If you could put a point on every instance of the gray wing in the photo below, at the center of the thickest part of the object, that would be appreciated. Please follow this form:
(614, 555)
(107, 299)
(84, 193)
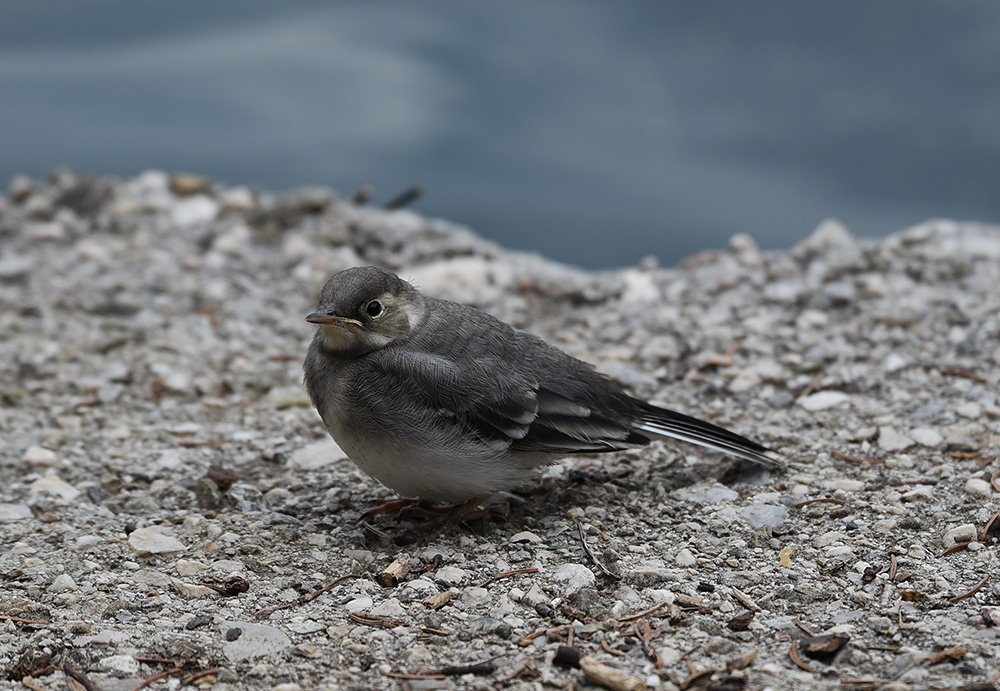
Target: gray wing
(500, 400)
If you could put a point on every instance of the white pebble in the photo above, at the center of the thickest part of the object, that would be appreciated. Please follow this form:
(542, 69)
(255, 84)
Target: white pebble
(154, 540)
(926, 436)
(62, 583)
(53, 486)
(38, 456)
(978, 486)
(824, 400)
(576, 576)
(685, 558)
(389, 608)
(476, 596)
(122, 664)
(761, 515)
(969, 410)
(525, 536)
(961, 533)
(891, 440)
(451, 575)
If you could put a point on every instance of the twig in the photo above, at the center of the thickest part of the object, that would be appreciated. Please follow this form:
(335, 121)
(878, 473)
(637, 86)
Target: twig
(157, 677)
(952, 372)
(826, 500)
(80, 678)
(958, 546)
(793, 654)
(971, 592)
(23, 621)
(374, 621)
(685, 655)
(989, 524)
(609, 649)
(805, 629)
(399, 675)
(188, 443)
(639, 615)
(892, 567)
(380, 533)
(309, 597)
(586, 548)
(811, 386)
(856, 459)
(506, 574)
(993, 480)
(24, 680)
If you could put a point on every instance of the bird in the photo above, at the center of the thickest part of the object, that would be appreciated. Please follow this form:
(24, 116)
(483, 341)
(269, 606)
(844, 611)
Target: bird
(445, 403)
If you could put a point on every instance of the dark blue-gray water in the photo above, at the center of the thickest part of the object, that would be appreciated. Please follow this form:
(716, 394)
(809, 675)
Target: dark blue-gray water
(594, 132)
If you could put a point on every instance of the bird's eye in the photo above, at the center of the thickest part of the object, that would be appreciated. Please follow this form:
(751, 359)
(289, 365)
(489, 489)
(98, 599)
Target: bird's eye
(374, 308)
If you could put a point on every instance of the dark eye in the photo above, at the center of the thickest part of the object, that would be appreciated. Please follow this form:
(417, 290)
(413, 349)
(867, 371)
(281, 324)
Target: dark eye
(373, 308)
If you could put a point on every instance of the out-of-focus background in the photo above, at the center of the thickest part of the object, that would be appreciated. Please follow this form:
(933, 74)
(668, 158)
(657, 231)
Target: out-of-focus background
(596, 133)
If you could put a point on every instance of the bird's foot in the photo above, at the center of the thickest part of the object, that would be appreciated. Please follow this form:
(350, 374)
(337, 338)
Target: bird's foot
(425, 522)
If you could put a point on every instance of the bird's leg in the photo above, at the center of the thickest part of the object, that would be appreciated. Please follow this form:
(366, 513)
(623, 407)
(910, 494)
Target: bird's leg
(412, 506)
(436, 525)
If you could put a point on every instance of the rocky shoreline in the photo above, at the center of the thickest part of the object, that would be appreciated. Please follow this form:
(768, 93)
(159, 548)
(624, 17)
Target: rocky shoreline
(170, 501)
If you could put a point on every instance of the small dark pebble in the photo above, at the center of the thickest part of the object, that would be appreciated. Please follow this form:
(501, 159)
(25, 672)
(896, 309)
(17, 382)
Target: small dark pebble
(706, 587)
(198, 621)
(234, 634)
(487, 625)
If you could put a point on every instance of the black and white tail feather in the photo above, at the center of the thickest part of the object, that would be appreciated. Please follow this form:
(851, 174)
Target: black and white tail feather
(661, 423)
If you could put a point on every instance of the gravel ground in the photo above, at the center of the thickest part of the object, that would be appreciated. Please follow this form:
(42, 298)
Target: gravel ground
(171, 505)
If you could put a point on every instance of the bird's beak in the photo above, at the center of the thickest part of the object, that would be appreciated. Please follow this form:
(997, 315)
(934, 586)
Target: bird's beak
(323, 318)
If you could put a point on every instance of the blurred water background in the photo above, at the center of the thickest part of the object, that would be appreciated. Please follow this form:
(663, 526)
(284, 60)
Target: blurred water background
(596, 133)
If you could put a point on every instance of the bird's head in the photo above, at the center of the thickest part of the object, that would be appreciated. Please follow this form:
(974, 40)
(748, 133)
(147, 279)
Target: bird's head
(365, 308)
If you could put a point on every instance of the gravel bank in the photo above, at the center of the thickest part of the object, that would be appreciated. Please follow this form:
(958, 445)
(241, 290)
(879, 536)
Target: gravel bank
(169, 499)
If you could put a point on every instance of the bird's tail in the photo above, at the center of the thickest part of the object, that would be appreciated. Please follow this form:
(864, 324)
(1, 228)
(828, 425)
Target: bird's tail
(660, 422)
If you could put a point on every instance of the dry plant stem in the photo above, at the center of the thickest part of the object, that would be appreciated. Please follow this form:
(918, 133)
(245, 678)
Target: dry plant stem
(793, 654)
(989, 525)
(26, 681)
(610, 650)
(414, 677)
(826, 500)
(805, 629)
(972, 592)
(643, 613)
(892, 569)
(856, 459)
(506, 574)
(79, 677)
(23, 621)
(949, 371)
(811, 386)
(309, 597)
(993, 480)
(593, 558)
(157, 677)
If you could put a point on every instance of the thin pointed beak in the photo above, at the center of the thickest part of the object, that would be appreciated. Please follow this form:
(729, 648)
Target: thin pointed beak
(323, 318)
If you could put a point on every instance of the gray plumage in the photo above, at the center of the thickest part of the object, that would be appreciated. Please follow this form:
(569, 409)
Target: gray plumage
(443, 402)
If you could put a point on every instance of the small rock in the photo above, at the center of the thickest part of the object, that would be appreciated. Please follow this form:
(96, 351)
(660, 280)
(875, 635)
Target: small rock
(194, 210)
(389, 608)
(14, 512)
(256, 640)
(316, 455)
(977, 486)
(155, 539)
(486, 625)
(969, 410)
(824, 400)
(38, 456)
(685, 558)
(891, 440)
(575, 576)
(962, 533)
(926, 437)
(53, 486)
(62, 583)
(760, 515)
(476, 596)
(125, 665)
(450, 575)
(525, 536)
